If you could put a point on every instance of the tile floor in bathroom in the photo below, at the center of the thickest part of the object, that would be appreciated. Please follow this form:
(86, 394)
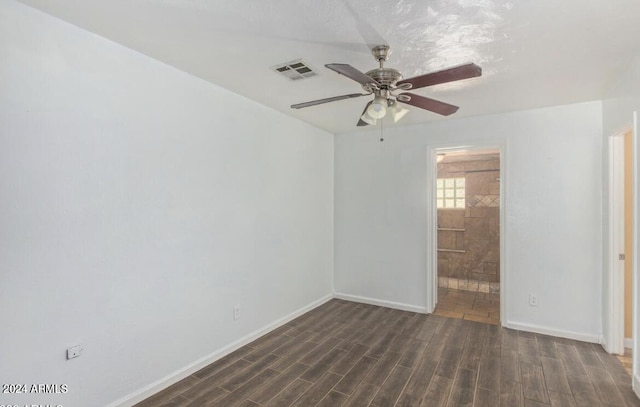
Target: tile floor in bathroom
(469, 305)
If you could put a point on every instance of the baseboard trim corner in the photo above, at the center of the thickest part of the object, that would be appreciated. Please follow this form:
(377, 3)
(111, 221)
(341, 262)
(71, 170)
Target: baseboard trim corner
(578, 336)
(180, 374)
(381, 303)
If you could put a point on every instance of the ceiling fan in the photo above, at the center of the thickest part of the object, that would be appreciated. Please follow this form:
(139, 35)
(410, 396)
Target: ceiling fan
(388, 88)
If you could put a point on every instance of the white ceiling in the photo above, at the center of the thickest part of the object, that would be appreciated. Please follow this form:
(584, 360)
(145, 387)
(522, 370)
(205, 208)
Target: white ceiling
(533, 52)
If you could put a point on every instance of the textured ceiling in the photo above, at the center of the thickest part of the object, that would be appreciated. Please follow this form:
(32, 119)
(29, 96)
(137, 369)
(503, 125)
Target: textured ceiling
(533, 53)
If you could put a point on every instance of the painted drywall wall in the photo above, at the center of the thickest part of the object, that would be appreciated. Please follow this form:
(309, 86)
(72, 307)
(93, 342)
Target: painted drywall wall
(621, 101)
(552, 203)
(139, 205)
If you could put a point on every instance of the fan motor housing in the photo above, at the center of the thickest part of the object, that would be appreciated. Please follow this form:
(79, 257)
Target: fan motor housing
(387, 77)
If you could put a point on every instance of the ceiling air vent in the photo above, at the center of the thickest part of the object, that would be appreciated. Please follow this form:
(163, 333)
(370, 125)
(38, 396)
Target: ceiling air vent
(295, 70)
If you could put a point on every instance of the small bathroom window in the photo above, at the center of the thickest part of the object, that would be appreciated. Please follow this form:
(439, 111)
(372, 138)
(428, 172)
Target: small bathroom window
(450, 193)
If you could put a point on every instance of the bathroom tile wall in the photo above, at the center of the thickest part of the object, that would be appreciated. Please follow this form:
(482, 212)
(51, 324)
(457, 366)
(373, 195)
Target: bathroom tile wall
(471, 253)
(469, 285)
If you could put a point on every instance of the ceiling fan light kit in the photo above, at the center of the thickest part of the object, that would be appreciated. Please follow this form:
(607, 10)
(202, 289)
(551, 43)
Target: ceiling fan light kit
(367, 119)
(378, 108)
(396, 111)
(384, 83)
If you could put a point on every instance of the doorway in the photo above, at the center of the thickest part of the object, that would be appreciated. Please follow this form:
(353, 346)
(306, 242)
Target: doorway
(621, 204)
(628, 250)
(621, 253)
(468, 205)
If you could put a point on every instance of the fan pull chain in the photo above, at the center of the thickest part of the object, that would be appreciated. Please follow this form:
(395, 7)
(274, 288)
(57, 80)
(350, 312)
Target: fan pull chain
(381, 124)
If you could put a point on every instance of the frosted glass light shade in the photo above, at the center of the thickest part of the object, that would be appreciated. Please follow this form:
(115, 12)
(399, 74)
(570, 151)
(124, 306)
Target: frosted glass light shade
(396, 111)
(368, 119)
(378, 108)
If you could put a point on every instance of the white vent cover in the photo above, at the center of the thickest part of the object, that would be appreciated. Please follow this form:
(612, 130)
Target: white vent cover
(295, 70)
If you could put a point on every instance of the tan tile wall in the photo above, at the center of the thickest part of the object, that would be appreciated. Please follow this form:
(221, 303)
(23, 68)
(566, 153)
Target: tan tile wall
(469, 285)
(480, 220)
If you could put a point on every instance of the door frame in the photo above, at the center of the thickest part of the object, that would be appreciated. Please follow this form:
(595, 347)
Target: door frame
(432, 219)
(635, 362)
(614, 343)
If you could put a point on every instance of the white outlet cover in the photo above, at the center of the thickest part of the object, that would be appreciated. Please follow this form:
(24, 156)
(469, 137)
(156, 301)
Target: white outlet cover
(74, 352)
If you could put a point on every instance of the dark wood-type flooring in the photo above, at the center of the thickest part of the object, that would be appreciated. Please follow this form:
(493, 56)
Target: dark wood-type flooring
(348, 354)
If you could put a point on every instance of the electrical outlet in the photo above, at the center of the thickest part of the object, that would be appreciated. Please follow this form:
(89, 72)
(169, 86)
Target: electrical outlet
(533, 300)
(73, 352)
(236, 313)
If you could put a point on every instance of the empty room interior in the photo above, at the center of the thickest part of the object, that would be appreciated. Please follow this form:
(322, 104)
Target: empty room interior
(336, 203)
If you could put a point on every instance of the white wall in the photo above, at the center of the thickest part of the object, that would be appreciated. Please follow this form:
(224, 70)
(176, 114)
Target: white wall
(138, 205)
(553, 171)
(622, 98)
(621, 101)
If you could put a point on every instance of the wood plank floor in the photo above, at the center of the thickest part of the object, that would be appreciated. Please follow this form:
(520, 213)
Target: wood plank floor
(349, 354)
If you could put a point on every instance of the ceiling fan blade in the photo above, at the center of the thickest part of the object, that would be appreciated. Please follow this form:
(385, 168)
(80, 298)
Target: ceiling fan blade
(446, 75)
(362, 123)
(352, 73)
(432, 105)
(327, 100)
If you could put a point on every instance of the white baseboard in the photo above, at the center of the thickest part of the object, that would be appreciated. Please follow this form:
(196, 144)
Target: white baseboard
(178, 375)
(553, 332)
(381, 303)
(628, 343)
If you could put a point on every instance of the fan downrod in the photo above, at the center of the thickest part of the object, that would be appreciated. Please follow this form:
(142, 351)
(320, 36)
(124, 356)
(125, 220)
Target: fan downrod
(381, 53)
(386, 77)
